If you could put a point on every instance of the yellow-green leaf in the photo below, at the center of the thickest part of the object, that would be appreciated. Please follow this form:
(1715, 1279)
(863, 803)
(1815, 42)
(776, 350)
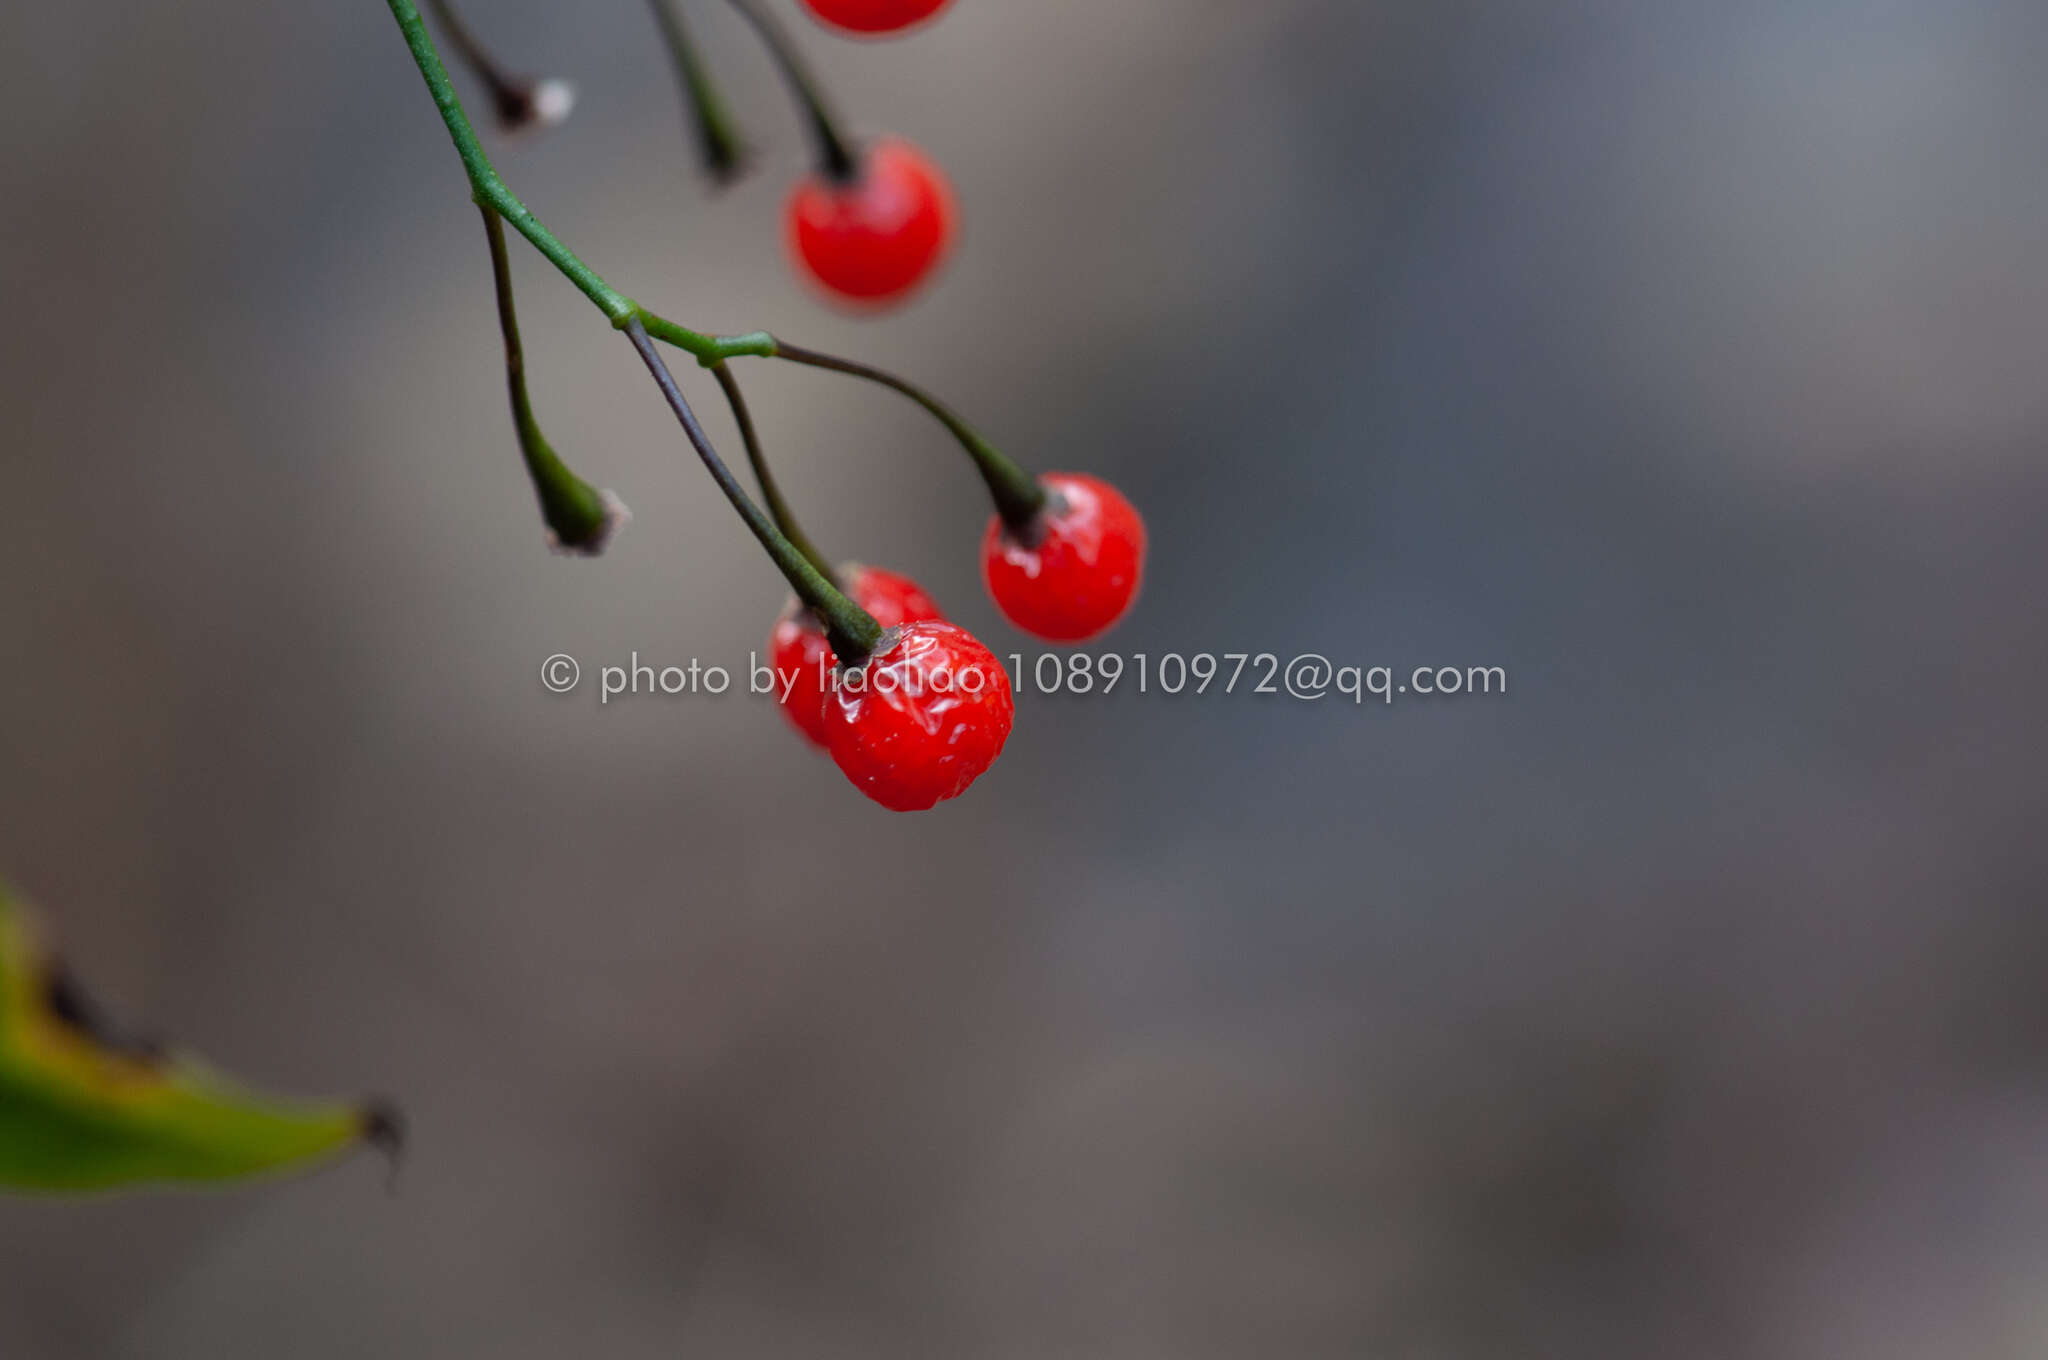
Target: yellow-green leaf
(82, 1107)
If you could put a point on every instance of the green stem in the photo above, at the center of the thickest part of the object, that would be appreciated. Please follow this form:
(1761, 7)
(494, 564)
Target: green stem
(484, 182)
(576, 513)
(771, 492)
(837, 159)
(1018, 496)
(709, 350)
(851, 630)
(718, 135)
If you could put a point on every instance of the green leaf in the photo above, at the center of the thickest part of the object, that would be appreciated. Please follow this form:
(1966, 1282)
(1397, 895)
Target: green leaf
(84, 1107)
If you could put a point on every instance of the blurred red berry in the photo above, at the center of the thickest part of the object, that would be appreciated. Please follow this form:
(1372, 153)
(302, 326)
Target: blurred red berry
(874, 16)
(922, 718)
(801, 655)
(874, 239)
(1080, 572)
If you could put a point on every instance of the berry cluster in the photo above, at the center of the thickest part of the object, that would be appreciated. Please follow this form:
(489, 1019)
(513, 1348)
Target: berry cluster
(912, 708)
(934, 708)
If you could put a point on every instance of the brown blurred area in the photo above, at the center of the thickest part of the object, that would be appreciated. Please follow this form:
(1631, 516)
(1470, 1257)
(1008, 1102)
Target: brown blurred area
(1685, 360)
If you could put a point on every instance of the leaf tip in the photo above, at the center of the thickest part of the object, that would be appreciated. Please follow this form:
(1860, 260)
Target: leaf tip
(384, 1130)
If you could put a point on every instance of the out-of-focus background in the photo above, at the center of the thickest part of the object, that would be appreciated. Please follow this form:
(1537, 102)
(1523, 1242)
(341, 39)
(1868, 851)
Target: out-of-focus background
(1686, 360)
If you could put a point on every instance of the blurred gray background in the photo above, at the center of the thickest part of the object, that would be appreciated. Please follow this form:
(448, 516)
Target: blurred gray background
(1684, 359)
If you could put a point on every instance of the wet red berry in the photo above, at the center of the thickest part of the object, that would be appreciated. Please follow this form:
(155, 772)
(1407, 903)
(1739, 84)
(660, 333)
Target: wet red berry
(922, 719)
(874, 16)
(802, 658)
(1080, 573)
(873, 240)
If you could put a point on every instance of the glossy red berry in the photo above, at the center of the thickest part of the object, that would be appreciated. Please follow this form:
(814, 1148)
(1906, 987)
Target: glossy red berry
(1082, 569)
(802, 658)
(874, 239)
(874, 16)
(922, 719)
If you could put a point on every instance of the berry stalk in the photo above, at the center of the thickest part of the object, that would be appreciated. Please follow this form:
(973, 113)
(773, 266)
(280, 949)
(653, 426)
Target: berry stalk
(719, 142)
(838, 162)
(504, 89)
(1018, 496)
(852, 631)
(771, 491)
(580, 517)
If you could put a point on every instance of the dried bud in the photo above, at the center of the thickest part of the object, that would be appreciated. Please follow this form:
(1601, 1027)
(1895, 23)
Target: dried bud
(534, 105)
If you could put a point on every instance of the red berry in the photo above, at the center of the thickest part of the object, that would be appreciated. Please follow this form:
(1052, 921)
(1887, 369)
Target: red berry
(874, 16)
(922, 718)
(874, 239)
(1081, 572)
(801, 655)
